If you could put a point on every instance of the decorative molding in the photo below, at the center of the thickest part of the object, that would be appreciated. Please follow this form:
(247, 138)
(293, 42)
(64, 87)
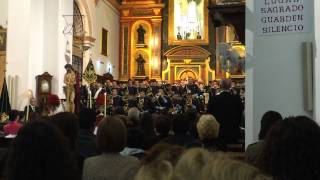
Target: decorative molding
(187, 52)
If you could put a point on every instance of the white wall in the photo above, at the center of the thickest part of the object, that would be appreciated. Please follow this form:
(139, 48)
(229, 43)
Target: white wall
(104, 15)
(3, 11)
(36, 44)
(273, 74)
(317, 60)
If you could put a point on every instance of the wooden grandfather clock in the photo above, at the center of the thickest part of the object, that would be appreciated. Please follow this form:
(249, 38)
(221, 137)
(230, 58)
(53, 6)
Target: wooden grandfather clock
(43, 87)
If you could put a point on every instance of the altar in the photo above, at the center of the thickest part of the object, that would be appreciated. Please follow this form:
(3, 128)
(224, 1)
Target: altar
(187, 62)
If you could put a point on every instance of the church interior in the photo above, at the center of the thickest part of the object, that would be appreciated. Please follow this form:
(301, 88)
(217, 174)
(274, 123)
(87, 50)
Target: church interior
(164, 89)
(199, 39)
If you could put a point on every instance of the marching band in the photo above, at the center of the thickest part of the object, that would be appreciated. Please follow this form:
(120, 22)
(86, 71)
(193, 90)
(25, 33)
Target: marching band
(153, 96)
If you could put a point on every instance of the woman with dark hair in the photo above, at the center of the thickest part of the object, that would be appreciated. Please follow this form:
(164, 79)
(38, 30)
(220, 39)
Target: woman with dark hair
(40, 152)
(291, 150)
(68, 124)
(111, 139)
(267, 121)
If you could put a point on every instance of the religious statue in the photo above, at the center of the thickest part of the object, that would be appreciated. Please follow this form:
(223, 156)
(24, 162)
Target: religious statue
(69, 81)
(141, 31)
(140, 61)
(198, 35)
(179, 37)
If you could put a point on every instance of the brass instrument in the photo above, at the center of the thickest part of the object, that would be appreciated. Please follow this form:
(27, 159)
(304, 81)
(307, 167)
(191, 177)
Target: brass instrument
(140, 103)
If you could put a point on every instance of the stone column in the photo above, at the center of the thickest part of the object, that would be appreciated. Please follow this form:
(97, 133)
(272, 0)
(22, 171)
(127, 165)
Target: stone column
(156, 49)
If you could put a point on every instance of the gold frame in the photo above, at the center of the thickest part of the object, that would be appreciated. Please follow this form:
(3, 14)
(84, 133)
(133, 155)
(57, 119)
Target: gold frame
(104, 45)
(171, 36)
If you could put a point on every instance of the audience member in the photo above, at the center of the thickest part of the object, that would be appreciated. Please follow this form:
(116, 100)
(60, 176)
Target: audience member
(86, 140)
(291, 150)
(160, 152)
(147, 125)
(190, 164)
(39, 152)
(13, 126)
(162, 126)
(180, 127)
(68, 124)
(135, 143)
(223, 168)
(267, 121)
(159, 170)
(111, 139)
(208, 131)
(134, 115)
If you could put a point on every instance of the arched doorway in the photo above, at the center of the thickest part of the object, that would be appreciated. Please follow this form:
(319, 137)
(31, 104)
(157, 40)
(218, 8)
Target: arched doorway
(186, 74)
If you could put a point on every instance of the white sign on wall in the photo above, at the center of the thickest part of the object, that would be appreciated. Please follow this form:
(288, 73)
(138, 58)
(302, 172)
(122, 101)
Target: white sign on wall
(283, 16)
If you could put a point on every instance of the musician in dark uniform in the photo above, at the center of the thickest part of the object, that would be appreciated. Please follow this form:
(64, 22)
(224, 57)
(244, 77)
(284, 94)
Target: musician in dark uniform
(132, 90)
(191, 87)
(117, 101)
(164, 100)
(154, 87)
(146, 103)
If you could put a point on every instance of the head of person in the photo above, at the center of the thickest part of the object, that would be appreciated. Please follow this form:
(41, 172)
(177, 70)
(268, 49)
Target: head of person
(87, 118)
(180, 124)
(40, 152)
(142, 94)
(13, 115)
(191, 163)
(162, 151)
(130, 82)
(68, 124)
(225, 84)
(33, 102)
(114, 92)
(162, 124)
(146, 124)
(159, 170)
(223, 168)
(134, 115)
(114, 83)
(208, 127)
(215, 84)
(68, 67)
(291, 150)
(111, 135)
(267, 121)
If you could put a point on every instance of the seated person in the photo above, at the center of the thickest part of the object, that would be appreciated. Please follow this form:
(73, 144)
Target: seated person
(13, 126)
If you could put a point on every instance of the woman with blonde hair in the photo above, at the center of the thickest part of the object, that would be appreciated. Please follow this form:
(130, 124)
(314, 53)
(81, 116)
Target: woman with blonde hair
(190, 164)
(158, 170)
(223, 168)
(208, 132)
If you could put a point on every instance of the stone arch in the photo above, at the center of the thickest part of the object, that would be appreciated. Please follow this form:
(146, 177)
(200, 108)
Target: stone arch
(87, 20)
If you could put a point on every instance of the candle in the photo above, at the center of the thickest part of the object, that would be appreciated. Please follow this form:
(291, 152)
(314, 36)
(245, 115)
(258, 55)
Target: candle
(27, 115)
(105, 104)
(28, 105)
(90, 100)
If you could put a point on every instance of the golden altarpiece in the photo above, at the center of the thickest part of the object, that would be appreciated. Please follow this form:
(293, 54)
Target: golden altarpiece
(179, 40)
(140, 37)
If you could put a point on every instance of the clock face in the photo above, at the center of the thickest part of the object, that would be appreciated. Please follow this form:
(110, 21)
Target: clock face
(44, 86)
